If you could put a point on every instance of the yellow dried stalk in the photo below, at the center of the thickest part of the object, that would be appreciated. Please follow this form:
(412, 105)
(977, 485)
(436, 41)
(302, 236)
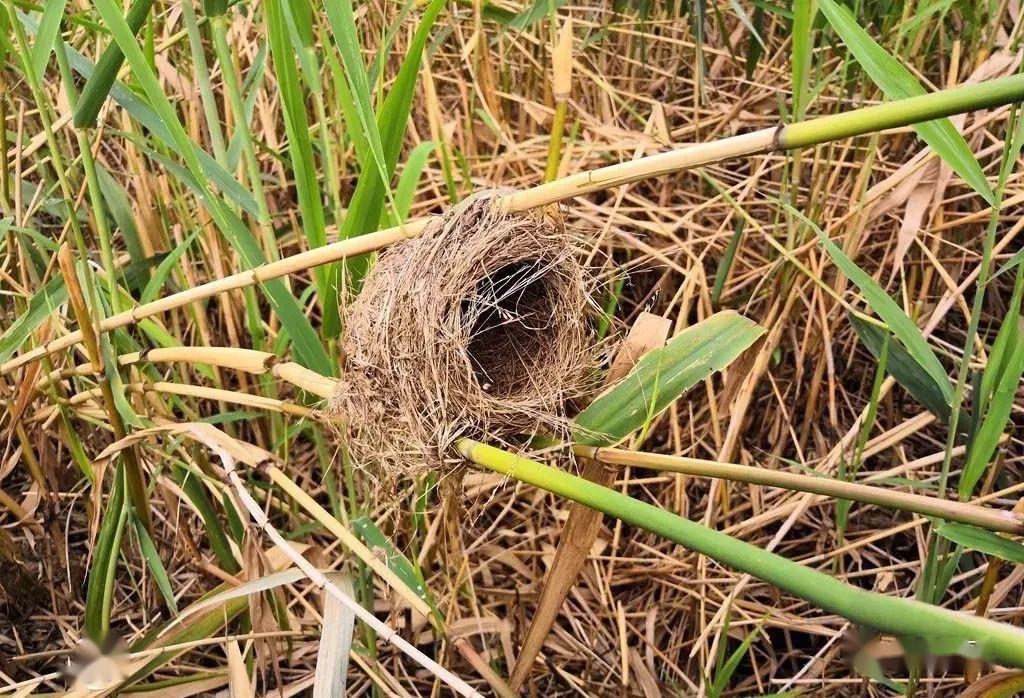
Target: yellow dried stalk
(247, 360)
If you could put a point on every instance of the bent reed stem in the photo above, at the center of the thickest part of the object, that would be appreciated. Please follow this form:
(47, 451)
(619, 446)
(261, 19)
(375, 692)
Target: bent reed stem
(799, 135)
(940, 630)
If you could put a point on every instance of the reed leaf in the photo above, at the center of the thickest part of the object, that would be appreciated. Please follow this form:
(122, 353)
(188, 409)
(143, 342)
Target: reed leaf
(408, 181)
(99, 592)
(1000, 404)
(903, 367)
(898, 83)
(341, 18)
(887, 309)
(220, 597)
(41, 306)
(367, 201)
(662, 375)
(98, 85)
(49, 29)
(396, 561)
(196, 494)
(336, 635)
(238, 673)
(983, 541)
(116, 199)
(156, 567)
(165, 267)
(300, 152)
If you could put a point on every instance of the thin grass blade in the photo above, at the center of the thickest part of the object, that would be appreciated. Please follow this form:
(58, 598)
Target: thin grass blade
(99, 592)
(156, 567)
(43, 304)
(97, 87)
(49, 28)
(887, 309)
(983, 541)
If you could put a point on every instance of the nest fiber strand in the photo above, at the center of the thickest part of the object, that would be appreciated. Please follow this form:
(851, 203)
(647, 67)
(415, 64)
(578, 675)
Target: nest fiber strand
(478, 327)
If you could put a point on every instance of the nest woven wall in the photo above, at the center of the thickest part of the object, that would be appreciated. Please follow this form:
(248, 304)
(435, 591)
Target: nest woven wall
(478, 327)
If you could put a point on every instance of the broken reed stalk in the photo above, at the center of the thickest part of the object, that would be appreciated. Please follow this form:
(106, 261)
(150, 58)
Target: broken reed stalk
(234, 358)
(583, 524)
(949, 510)
(799, 135)
(941, 631)
(130, 460)
(202, 392)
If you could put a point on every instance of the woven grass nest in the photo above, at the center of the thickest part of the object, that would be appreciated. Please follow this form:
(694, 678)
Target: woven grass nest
(478, 327)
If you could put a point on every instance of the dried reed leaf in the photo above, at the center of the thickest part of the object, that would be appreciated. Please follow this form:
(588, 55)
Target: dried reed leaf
(238, 675)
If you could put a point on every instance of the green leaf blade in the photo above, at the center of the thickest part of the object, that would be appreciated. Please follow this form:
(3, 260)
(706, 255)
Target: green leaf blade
(366, 206)
(887, 309)
(983, 541)
(904, 368)
(662, 375)
(40, 307)
(898, 83)
(49, 27)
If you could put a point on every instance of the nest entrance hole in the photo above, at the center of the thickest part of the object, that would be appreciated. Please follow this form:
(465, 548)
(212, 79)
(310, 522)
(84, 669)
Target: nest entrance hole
(509, 316)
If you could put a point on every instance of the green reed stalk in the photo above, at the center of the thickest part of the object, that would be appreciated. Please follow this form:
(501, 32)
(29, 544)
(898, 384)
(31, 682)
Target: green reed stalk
(903, 112)
(938, 630)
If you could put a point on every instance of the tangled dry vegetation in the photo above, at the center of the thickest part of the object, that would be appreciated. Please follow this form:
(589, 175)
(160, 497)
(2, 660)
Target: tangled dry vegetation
(647, 617)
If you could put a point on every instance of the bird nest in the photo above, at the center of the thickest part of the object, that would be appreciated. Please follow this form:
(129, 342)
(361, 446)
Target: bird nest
(479, 327)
